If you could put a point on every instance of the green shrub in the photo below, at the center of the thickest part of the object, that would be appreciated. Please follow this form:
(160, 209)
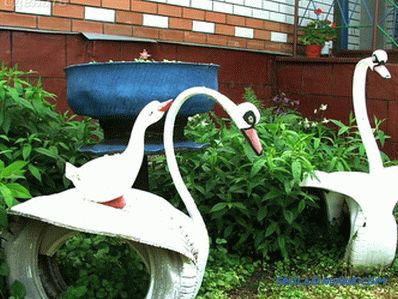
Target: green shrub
(101, 267)
(32, 131)
(35, 142)
(256, 203)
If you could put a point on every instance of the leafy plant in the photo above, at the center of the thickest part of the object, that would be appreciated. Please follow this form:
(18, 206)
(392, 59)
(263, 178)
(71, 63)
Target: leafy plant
(256, 203)
(101, 267)
(33, 132)
(317, 32)
(35, 141)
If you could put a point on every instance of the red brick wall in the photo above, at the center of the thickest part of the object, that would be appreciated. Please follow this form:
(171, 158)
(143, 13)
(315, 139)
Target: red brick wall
(69, 15)
(330, 82)
(48, 54)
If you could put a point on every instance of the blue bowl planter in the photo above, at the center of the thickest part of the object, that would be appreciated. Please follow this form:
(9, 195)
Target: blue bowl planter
(115, 92)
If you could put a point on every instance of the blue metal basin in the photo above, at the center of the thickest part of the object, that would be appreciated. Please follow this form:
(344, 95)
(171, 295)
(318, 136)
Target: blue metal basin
(119, 90)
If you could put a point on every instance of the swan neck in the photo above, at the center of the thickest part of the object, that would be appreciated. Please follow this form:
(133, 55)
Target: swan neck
(136, 142)
(361, 116)
(182, 190)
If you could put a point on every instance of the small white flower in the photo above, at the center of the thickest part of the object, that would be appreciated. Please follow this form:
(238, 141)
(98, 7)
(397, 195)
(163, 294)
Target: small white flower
(325, 120)
(323, 107)
(315, 111)
(313, 124)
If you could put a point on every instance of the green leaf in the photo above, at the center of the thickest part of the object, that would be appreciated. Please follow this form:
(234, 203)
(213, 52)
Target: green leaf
(342, 130)
(218, 207)
(18, 191)
(282, 245)
(35, 172)
(13, 94)
(46, 152)
(257, 167)
(271, 229)
(317, 142)
(296, 170)
(27, 148)
(7, 195)
(301, 206)
(14, 169)
(288, 215)
(262, 213)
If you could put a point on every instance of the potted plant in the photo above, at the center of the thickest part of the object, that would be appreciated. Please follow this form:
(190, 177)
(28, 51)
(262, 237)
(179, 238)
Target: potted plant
(114, 92)
(316, 33)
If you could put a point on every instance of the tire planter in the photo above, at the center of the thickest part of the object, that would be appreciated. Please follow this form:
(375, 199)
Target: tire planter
(31, 247)
(115, 92)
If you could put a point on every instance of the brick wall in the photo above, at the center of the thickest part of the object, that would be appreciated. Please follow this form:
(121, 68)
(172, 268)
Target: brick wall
(316, 83)
(261, 25)
(238, 69)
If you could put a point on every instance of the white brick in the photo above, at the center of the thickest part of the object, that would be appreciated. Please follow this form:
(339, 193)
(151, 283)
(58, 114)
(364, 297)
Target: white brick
(202, 4)
(155, 21)
(290, 19)
(244, 32)
(222, 7)
(235, 1)
(179, 2)
(206, 27)
(288, 9)
(243, 11)
(254, 3)
(270, 5)
(33, 7)
(99, 14)
(278, 37)
(277, 17)
(261, 14)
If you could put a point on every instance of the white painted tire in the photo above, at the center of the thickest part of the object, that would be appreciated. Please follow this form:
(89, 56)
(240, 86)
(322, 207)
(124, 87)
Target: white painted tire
(32, 244)
(373, 238)
(334, 206)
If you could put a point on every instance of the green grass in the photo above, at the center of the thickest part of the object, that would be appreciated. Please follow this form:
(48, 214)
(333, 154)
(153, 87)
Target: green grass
(319, 261)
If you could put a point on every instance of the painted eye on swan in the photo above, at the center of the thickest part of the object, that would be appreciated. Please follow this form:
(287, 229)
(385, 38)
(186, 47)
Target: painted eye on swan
(250, 117)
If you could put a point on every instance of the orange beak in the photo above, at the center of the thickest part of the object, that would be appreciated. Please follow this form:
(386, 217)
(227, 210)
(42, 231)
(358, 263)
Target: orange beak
(252, 137)
(166, 105)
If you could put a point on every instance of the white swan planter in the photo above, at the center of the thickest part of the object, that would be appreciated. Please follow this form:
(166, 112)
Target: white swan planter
(370, 197)
(173, 245)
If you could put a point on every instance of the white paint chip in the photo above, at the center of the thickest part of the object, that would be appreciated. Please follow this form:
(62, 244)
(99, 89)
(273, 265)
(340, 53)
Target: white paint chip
(206, 27)
(155, 21)
(278, 37)
(33, 7)
(99, 14)
(244, 32)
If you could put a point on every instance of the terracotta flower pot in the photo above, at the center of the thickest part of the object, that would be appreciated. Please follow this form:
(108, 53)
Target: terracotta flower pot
(313, 50)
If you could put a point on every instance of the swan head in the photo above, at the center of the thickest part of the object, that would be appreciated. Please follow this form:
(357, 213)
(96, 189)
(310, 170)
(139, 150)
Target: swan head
(377, 63)
(154, 111)
(246, 116)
